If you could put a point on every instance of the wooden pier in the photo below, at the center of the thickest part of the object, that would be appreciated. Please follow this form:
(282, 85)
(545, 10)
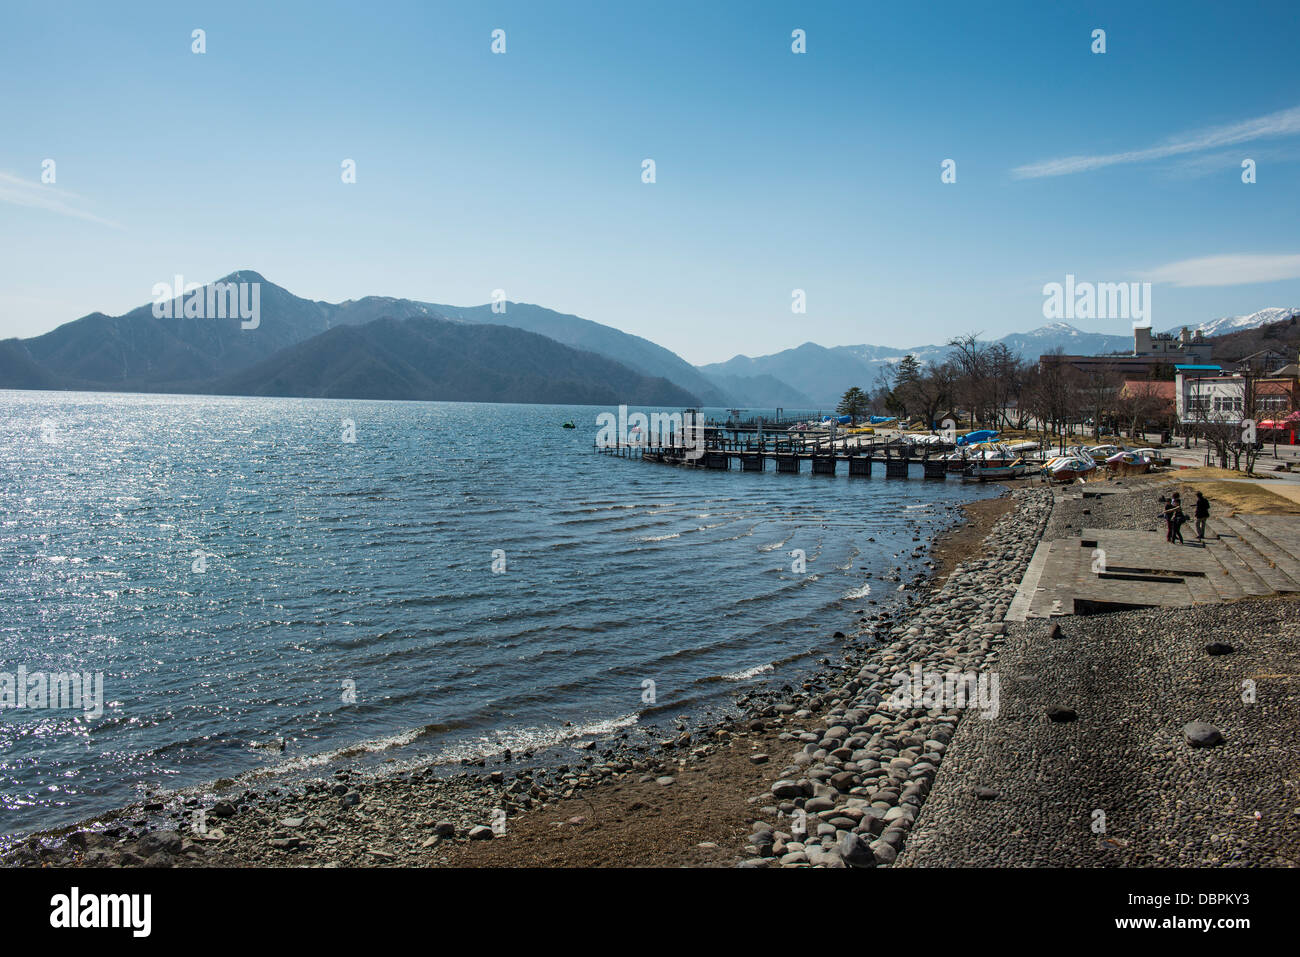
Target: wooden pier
(862, 462)
(749, 448)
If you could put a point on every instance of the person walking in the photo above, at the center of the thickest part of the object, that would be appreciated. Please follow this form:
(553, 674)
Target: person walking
(1177, 520)
(1202, 512)
(1167, 513)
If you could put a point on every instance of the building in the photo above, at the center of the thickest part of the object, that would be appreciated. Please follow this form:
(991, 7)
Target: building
(1145, 404)
(1206, 394)
(1157, 396)
(1187, 347)
(1264, 361)
(1153, 355)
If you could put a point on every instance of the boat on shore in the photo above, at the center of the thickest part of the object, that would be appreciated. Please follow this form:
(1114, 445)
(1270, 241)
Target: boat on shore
(994, 473)
(1067, 468)
(984, 455)
(1128, 463)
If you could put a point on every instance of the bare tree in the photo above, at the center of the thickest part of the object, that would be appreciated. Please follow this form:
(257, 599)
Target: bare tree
(1051, 394)
(1099, 391)
(1138, 403)
(932, 392)
(1005, 383)
(971, 357)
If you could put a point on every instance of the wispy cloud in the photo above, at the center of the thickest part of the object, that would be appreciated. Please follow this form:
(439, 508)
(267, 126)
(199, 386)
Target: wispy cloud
(1223, 161)
(1282, 123)
(1231, 270)
(21, 192)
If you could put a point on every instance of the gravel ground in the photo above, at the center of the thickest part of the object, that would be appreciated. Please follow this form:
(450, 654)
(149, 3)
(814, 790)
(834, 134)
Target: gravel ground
(1122, 784)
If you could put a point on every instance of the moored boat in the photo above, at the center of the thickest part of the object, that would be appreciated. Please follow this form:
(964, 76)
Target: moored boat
(994, 473)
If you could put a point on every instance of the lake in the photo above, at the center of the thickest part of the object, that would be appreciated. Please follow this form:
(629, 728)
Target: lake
(264, 597)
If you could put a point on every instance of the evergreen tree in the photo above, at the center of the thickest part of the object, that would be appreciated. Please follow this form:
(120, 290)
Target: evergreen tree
(854, 403)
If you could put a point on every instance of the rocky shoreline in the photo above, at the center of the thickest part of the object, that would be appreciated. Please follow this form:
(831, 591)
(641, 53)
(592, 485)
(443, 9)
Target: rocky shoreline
(871, 764)
(866, 763)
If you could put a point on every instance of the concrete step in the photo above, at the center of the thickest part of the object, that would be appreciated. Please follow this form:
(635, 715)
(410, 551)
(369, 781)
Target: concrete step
(1280, 530)
(1140, 571)
(1227, 551)
(1279, 539)
(1220, 579)
(1270, 577)
(1203, 589)
(1024, 600)
(1278, 569)
(1060, 565)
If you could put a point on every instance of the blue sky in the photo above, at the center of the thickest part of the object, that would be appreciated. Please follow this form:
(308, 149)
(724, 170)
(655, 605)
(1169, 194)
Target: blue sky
(775, 171)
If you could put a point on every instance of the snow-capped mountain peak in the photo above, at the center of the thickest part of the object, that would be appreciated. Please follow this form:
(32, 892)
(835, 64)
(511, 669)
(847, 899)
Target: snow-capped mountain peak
(1217, 327)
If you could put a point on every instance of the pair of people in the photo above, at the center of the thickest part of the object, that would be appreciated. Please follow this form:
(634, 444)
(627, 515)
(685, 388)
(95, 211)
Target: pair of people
(1175, 517)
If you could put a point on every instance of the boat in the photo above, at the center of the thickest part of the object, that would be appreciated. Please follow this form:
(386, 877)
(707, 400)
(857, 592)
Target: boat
(981, 455)
(994, 473)
(569, 425)
(1154, 456)
(1128, 463)
(1067, 468)
(976, 437)
(1101, 453)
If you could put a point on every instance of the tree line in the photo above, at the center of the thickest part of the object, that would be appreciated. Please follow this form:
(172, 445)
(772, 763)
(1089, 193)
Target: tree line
(988, 385)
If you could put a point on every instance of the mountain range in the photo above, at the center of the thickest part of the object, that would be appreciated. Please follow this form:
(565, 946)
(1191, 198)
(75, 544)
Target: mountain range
(376, 347)
(826, 372)
(383, 347)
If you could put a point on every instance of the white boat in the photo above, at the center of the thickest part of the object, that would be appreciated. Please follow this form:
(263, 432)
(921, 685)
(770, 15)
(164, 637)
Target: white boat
(1155, 456)
(994, 473)
(1101, 453)
(1067, 468)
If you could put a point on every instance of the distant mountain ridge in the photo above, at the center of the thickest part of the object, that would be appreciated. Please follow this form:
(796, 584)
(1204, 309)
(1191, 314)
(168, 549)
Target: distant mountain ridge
(1264, 317)
(140, 352)
(352, 349)
(433, 358)
(824, 374)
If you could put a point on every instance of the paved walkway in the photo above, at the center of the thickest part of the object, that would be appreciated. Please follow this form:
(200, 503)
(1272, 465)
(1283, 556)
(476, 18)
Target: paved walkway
(1104, 570)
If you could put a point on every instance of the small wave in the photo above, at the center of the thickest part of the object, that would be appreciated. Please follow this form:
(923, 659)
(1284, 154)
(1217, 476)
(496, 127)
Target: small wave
(775, 545)
(660, 538)
(532, 738)
(748, 673)
(745, 534)
(854, 594)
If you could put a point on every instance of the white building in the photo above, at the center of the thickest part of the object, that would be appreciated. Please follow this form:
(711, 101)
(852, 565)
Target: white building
(1205, 394)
